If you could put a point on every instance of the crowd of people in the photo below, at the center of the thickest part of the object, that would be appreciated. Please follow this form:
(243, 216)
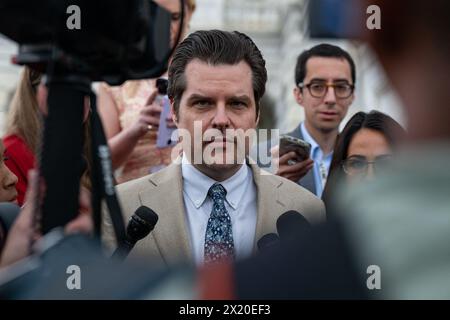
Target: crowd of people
(359, 191)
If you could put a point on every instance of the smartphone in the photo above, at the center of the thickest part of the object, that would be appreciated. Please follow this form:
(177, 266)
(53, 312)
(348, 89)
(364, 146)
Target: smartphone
(299, 146)
(164, 139)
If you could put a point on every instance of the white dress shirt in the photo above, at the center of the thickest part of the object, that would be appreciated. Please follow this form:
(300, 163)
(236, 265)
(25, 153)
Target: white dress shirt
(240, 204)
(322, 161)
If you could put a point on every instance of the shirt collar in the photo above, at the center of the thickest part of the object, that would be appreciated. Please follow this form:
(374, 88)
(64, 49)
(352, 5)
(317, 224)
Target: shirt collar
(196, 184)
(307, 137)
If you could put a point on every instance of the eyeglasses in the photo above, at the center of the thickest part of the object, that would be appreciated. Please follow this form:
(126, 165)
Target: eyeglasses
(356, 165)
(342, 90)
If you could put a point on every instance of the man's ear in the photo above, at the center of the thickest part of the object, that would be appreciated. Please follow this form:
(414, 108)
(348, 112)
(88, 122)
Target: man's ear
(298, 95)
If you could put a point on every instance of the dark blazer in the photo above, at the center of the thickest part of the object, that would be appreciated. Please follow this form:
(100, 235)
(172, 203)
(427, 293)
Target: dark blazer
(308, 182)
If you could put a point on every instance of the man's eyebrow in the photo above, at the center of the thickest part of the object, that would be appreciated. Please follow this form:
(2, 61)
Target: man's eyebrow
(196, 96)
(341, 80)
(324, 80)
(318, 80)
(243, 97)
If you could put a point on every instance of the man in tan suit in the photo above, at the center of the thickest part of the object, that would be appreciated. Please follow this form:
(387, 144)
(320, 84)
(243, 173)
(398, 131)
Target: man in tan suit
(213, 203)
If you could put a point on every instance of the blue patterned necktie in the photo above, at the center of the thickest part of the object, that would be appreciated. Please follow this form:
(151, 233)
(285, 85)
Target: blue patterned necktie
(219, 243)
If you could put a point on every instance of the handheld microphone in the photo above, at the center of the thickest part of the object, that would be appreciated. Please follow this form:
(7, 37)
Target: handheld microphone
(290, 224)
(267, 241)
(140, 225)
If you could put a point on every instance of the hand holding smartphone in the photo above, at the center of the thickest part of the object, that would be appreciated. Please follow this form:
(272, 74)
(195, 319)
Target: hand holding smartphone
(299, 146)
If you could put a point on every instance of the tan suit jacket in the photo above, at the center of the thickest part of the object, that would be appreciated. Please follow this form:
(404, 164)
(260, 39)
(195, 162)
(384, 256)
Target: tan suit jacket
(169, 243)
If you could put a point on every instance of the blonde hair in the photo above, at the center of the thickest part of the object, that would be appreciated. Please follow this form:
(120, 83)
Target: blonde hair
(25, 119)
(24, 116)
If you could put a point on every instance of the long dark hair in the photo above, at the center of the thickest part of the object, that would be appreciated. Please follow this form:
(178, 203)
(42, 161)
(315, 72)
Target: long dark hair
(375, 120)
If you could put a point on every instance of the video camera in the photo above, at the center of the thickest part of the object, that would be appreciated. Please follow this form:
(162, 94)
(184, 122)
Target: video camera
(113, 41)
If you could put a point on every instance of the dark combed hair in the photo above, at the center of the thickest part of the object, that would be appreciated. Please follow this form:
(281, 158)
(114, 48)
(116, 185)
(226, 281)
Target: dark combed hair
(216, 47)
(375, 120)
(322, 50)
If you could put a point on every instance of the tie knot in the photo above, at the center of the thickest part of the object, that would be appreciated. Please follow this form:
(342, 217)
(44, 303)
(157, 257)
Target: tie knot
(217, 192)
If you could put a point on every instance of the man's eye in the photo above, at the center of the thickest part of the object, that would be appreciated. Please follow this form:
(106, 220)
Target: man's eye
(202, 103)
(238, 104)
(318, 87)
(342, 87)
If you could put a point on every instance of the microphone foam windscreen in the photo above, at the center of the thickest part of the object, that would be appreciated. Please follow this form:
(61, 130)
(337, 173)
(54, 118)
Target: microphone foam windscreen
(148, 215)
(291, 223)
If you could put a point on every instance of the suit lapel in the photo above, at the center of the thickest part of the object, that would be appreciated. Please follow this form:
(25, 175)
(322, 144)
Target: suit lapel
(165, 197)
(269, 204)
(308, 182)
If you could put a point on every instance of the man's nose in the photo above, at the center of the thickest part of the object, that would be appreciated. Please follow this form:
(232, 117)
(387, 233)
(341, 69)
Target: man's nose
(330, 96)
(221, 119)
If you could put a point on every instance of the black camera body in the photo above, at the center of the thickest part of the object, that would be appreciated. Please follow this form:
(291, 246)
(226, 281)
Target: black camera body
(115, 40)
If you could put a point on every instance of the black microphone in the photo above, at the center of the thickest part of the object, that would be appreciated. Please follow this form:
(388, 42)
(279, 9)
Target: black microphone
(268, 241)
(140, 225)
(290, 224)
(8, 214)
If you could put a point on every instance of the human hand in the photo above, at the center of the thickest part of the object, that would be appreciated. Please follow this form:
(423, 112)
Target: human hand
(288, 165)
(148, 118)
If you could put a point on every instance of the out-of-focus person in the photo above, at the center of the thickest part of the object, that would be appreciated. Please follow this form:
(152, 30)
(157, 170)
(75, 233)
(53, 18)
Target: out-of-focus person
(130, 114)
(364, 147)
(24, 128)
(389, 237)
(400, 220)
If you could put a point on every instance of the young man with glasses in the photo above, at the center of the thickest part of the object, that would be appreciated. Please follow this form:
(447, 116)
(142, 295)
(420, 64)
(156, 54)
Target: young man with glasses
(325, 82)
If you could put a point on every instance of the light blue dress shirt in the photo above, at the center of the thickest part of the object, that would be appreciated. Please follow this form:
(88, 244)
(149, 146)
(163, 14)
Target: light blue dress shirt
(322, 162)
(241, 204)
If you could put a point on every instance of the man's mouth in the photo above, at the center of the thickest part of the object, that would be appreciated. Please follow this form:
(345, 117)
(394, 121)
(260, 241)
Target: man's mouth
(328, 114)
(221, 140)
